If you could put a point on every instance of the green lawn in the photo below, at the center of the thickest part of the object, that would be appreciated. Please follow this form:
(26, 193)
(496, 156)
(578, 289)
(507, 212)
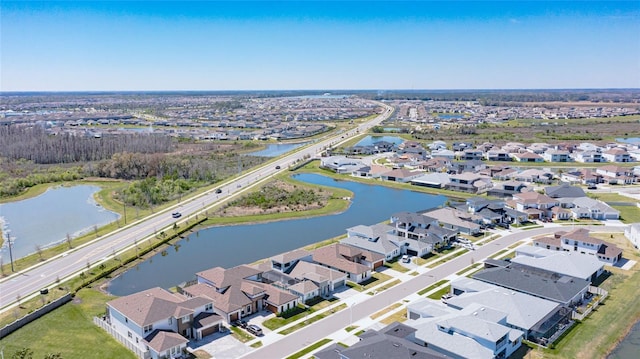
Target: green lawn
(629, 214)
(440, 292)
(433, 286)
(69, 330)
(312, 319)
(309, 349)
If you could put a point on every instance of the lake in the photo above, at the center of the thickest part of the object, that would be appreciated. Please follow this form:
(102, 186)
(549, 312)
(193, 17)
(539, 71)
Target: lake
(631, 140)
(370, 140)
(277, 149)
(46, 219)
(629, 347)
(234, 245)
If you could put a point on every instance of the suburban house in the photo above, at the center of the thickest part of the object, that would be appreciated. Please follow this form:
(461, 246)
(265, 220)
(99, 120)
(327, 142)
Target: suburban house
(472, 332)
(556, 156)
(436, 164)
(239, 291)
(400, 175)
(389, 342)
(551, 286)
(292, 271)
(533, 175)
(469, 182)
(357, 263)
(506, 189)
(378, 238)
(536, 205)
(497, 155)
(585, 207)
(433, 180)
(589, 157)
(617, 154)
(565, 263)
(613, 174)
(456, 220)
(341, 164)
(564, 190)
(421, 234)
(539, 319)
(579, 240)
(156, 323)
(373, 171)
(527, 157)
(632, 232)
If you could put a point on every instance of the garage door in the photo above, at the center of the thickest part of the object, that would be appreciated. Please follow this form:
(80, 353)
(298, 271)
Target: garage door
(411, 252)
(272, 308)
(378, 264)
(338, 284)
(208, 331)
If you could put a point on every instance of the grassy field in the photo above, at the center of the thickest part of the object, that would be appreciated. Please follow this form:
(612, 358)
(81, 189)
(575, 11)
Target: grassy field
(69, 330)
(432, 287)
(385, 310)
(376, 279)
(439, 293)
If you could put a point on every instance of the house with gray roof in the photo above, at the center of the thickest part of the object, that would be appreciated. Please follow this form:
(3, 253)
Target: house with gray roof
(536, 317)
(456, 219)
(156, 323)
(432, 180)
(472, 332)
(387, 343)
(376, 238)
(564, 263)
(562, 289)
(564, 190)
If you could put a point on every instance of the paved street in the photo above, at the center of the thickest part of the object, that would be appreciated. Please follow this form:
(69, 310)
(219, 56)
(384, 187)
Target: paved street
(364, 305)
(28, 283)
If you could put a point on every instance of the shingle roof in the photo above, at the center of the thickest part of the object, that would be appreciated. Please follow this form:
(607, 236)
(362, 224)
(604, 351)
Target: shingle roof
(161, 341)
(333, 256)
(561, 289)
(155, 304)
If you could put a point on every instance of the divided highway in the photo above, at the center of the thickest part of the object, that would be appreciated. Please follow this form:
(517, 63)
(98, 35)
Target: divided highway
(24, 284)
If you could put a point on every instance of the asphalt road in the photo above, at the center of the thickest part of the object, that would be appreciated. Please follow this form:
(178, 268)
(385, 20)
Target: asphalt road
(24, 284)
(310, 334)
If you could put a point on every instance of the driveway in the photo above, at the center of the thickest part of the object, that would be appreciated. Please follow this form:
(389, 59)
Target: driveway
(220, 346)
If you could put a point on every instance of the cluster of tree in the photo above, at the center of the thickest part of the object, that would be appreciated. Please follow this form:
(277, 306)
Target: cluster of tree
(206, 168)
(275, 195)
(33, 143)
(15, 185)
(153, 191)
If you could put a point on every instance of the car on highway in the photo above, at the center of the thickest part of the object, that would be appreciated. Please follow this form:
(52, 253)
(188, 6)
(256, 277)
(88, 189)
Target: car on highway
(277, 167)
(218, 190)
(176, 214)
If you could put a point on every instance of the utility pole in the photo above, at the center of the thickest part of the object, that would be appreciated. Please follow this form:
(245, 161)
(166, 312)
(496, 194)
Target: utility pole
(10, 251)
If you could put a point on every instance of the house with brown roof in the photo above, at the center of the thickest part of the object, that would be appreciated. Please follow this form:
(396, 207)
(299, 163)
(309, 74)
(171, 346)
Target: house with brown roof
(357, 263)
(156, 323)
(239, 291)
(535, 204)
(527, 157)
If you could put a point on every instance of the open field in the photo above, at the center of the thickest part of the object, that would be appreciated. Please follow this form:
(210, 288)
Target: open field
(69, 330)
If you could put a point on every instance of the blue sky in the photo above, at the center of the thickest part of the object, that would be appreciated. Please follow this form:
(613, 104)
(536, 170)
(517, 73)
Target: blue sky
(262, 45)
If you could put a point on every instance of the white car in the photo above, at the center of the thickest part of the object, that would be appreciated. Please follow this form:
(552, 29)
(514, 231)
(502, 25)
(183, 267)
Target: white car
(405, 259)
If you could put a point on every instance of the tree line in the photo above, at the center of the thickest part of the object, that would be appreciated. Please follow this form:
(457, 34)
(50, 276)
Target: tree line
(34, 144)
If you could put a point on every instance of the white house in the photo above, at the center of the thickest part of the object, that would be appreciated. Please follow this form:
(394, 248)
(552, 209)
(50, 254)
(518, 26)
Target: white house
(633, 234)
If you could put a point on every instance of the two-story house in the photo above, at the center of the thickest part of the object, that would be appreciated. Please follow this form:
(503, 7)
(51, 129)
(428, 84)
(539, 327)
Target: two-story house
(156, 323)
